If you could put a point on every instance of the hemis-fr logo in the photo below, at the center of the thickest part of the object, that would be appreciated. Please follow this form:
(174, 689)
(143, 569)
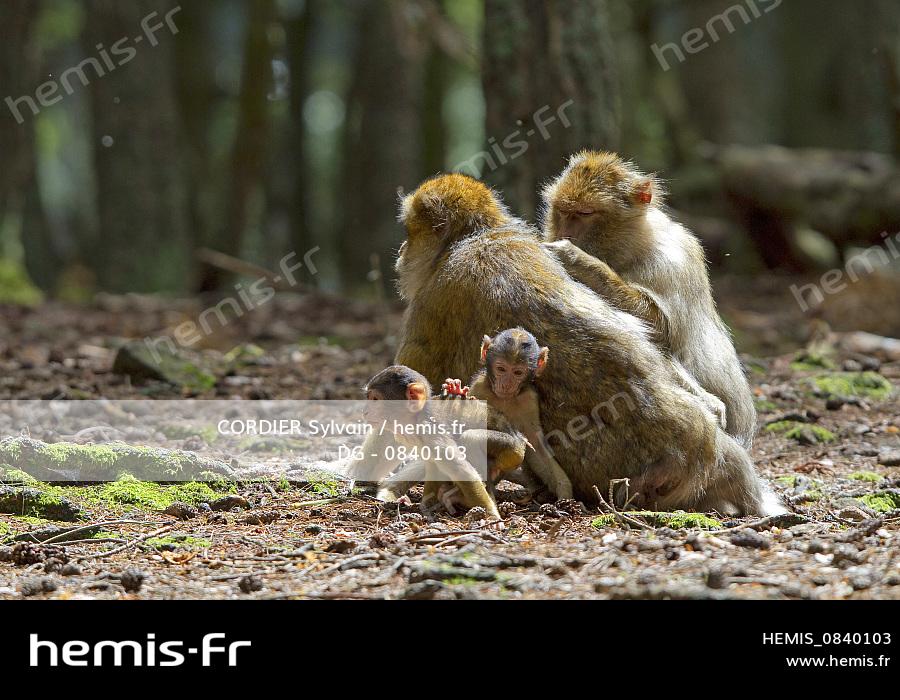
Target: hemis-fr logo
(213, 650)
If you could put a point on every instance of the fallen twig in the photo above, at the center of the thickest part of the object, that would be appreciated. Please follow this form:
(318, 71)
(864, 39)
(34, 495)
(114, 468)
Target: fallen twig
(129, 544)
(627, 519)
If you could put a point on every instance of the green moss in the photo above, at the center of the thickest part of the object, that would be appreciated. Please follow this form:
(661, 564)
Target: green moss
(103, 462)
(10, 475)
(872, 477)
(15, 287)
(325, 484)
(147, 494)
(881, 502)
(677, 521)
(178, 542)
(180, 431)
(32, 520)
(38, 500)
(5, 531)
(794, 430)
(781, 426)
(788, 480)
(870, 385)
(811, 362)
(764, 406)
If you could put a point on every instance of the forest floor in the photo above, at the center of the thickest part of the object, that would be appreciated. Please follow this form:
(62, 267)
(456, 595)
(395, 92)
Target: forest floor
(829, 441)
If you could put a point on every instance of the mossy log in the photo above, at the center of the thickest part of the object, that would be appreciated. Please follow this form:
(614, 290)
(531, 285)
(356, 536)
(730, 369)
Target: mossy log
(65, 461)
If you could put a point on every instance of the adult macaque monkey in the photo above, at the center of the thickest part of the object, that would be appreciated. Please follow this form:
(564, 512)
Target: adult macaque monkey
(512, 361)
(447, 479)
(610, 402)
(610, 232)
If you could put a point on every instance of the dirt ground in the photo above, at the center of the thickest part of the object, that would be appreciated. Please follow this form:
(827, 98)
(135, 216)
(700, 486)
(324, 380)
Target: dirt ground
(829, 440)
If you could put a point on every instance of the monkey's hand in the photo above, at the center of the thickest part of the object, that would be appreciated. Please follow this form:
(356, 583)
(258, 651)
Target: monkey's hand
(563, 249)
(453, 388)
(717, 407)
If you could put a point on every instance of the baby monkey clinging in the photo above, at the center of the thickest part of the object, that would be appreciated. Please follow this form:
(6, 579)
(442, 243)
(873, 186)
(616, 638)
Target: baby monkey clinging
(512, 361)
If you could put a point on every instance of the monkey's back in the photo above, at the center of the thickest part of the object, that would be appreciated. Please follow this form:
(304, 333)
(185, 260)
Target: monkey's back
(602, 361)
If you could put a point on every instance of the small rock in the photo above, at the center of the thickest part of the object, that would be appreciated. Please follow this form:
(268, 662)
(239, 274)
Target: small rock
(425, 590)
(6, 554)
(716, 578)
(229, 503)
(250, 584)
(890, 458)
(313, 529)
(835, 403)
(182, 511)
(35, 585)
(892, 580)
(53, 565)
(861, 581)
(132, 579)
(817, 547)
(750, 538)
(852, 366)
(847, 555)
(71, 569)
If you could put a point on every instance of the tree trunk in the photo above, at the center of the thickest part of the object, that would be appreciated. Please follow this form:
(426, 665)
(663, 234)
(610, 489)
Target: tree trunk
(138, 151)
(550, 90)
(299, 32)
(20, 64)
(383, 141)
(197, 92)
(248, 155)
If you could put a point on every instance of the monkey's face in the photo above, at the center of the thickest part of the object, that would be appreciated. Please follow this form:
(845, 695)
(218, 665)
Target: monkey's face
(397, 383)
(596, 196)
(508, 378)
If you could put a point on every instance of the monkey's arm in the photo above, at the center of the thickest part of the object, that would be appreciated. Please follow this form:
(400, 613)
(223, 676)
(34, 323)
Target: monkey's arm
(373, 464)
(600, 278)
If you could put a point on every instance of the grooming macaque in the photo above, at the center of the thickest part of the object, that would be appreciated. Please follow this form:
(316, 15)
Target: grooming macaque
(610, 232)
(512, 361)
(611, 405)
(450, 481)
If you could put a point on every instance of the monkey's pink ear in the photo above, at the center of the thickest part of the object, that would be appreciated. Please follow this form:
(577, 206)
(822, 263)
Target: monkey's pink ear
(417, 394)
(643, 190)
(543, 356)
(485, 346)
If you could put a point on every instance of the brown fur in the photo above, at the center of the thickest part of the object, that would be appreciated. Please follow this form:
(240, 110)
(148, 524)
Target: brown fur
(627, 250)
(610, 404)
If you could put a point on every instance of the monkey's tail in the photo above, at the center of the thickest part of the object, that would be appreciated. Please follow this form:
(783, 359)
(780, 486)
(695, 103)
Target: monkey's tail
(735, 488)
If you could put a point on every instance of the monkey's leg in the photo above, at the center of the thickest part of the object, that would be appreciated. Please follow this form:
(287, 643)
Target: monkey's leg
(734, 488)
(600, 278)
(473, 491)
(549, 471)
(498, 451)
(710, 402)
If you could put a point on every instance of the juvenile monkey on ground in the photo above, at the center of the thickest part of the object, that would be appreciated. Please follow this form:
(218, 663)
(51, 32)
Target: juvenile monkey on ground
(611, 404)
(610, 232)
(512, 361)
(448, 473)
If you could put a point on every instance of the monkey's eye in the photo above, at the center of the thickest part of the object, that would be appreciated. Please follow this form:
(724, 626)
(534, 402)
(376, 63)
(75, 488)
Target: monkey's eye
(519, 372)
(584, 212)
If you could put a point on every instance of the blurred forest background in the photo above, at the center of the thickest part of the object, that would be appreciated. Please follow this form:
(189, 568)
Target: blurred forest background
(268, 126)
